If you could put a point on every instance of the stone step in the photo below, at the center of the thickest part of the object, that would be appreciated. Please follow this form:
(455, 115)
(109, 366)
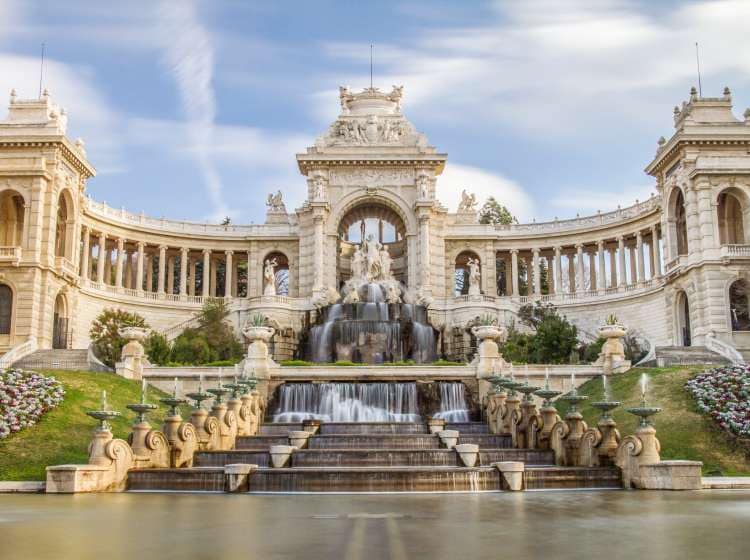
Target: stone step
(373, 457)
(687, 355)
(374, 479)
(58, 359)
(469, 427)
(379, 441)
(280, 428)
(340, 428)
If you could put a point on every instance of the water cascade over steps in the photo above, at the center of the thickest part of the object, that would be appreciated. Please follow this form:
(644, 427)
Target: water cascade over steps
(372, 331)
(453, 406)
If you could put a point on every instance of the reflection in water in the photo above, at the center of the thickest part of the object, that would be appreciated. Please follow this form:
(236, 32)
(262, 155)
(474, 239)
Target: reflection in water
(583, 524)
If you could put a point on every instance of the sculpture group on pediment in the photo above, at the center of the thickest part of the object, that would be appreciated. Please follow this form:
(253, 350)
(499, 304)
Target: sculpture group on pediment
(275, 202)
(468, 202)
(370, 130)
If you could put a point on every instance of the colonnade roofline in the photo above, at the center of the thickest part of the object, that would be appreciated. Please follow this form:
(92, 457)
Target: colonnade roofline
(123, 218)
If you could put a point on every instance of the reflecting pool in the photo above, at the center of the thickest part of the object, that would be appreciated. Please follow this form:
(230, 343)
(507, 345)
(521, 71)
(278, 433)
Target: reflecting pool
(554, 525)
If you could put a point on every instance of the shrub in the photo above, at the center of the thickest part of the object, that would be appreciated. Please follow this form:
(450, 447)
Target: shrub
(442, 362)
(297, 363)
(157, 348)
(191, 348)
(24, 397)
(554, 340)
(105, 333)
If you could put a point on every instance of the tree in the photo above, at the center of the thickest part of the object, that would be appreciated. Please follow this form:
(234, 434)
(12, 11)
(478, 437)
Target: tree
(495, 213)
(105, 333)
(553, 341)
(212, 340)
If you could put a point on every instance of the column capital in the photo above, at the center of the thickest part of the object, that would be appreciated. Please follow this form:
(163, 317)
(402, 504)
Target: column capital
(514, 251)
(229, 252)
(85, 228)
(579, 247)
(184, 250)
(206, 252)
(121, 242)
(639, 235)
(163, 247)
(600, 244)
(558, 250)
(141, 245)
(535, 251)
(621, 239)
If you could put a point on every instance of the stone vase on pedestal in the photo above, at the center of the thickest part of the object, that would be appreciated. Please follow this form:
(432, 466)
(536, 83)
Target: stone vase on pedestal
(133, 357)
(612, 357)
(490, 359)
(258, 361)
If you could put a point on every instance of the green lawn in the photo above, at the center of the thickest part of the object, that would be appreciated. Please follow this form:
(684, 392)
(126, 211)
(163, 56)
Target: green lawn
(63, 434)
(683, 431)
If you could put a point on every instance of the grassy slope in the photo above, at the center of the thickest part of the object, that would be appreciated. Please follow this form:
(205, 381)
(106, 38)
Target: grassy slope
(683, 431)
(63, 434)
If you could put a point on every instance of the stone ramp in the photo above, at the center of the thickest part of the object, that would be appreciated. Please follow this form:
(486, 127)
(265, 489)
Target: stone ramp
(666, 356)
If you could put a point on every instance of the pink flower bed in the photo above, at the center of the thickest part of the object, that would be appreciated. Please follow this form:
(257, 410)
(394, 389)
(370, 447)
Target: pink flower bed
(24, 397)
(724, 394)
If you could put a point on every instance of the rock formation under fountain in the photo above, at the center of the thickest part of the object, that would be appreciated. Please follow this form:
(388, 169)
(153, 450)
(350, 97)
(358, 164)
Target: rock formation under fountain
(376, 321)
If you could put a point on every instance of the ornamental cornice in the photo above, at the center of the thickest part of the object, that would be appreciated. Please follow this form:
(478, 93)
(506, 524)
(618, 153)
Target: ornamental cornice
(62, 144)
(678, 142)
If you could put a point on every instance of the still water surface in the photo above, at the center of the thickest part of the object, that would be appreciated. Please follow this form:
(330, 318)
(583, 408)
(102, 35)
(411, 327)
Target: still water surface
(550, 525)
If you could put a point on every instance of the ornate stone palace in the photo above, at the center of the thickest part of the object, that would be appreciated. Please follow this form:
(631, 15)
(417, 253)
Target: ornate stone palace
(673, 267)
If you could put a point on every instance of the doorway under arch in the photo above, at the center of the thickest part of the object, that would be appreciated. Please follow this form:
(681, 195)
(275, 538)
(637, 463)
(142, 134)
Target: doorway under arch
(684, 336)
(60, 325)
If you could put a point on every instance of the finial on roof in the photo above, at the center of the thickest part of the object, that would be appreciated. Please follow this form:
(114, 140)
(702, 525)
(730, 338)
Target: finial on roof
(727, 94)
(45, 93)
(693, 91)
(13, 96)
(747, 115)
(676, 110)
(661, 141)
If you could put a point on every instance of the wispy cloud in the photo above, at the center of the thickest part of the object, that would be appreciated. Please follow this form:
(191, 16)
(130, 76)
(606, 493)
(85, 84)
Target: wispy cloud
(189, 55)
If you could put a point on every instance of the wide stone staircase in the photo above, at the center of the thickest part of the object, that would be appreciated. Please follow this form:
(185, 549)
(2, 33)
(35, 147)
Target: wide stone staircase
(373, 457)
(686, 355)
(59, 359)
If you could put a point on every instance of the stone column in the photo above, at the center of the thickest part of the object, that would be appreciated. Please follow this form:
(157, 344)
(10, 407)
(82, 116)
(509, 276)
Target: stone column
(108, 264)
(149, 272)
(128, 273)
(558, 270)
(633, 266)
(579, 265)
(612, 268)
(228, 274)
(655, 253)
(170, 275)
(101, 258)
(139, 267)
(206, 272)
(571, 273)
(514, 271)
(593, 274)
(162, 268)
(85, 254)
(250, 272)
(537, 279)
(639, 255)
(214, 275)
(601, 274)
(424, 251)
(184, 256)
(508, 278)
(119, 263)
(319, 273)
(621, 254)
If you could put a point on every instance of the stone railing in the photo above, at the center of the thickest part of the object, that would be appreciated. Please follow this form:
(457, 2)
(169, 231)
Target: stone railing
(18, 352)
(128, 293)
(101, 210)
(10, 254)
(671, 265)
(723, 349)
(729, 251)
(65, 266)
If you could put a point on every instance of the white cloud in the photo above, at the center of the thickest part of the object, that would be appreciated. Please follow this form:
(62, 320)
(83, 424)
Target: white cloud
(189, 55)
(483, 184)
(587, 201)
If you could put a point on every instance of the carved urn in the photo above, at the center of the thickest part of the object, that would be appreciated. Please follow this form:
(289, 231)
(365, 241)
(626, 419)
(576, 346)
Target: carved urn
(262, 334)
(489, 332)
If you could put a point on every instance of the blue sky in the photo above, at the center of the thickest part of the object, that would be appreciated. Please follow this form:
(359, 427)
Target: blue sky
(195, 109)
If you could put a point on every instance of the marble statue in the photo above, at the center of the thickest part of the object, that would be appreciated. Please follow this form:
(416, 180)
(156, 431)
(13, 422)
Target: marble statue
(269, 278)
(385, 263)
(358, 263)
(275, 202)
(468, 202)
(475, 276)
(372, 255)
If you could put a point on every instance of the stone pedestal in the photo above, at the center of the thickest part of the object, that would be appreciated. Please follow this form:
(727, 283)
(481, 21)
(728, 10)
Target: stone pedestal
(512, 473)
(671, 475)
(468, 452)
(258, 362)
(237, 477)
(183, 441)
(206, 428)
(489, 358)
(549, 419)
(449, 438)
(607, 449)
(150, 447)
(133, 356)
(576, 429)
(512, 404)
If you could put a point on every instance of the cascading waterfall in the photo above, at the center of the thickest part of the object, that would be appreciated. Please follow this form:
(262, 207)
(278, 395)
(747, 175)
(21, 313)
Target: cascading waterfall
(453, 406)
(372, 331)
(348, 402)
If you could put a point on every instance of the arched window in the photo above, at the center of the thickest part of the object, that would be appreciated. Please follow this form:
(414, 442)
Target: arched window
(6, 308)
(461, 273)
(731, 227)
(680, 220)
(738, 309)
(281, 272)
(11, 219)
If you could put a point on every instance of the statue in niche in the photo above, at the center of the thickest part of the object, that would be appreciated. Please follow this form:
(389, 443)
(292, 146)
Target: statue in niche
(275, 202)
(385, 263)
(475, 276)
(319, 187)
(358, 263)
(269, 278)
(423, 185)
(468, 202)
